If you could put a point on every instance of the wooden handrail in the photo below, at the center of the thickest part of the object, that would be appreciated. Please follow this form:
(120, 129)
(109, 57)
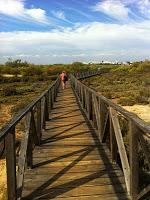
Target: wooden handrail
(100, 111)
(23, 112)
(104, 116)
(34, 117)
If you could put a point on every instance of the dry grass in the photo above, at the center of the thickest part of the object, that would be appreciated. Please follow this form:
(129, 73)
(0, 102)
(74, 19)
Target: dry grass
(9, 106)
(3, 185)
(5, 111)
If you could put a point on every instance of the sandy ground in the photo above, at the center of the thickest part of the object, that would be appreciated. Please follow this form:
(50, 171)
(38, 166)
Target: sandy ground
(143, 111)
(5, 112)
(3, 184)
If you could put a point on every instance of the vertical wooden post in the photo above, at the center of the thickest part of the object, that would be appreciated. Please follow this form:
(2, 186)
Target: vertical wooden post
(53, 98)
(54, 92)
(29, 152)
(30, 145)
(93, 113)
(101, 108)
(113, 142)
(46, 110)
(34, 130)
(89, 106)
(38, 121)
(134, 165)
(49, 101)
(83, 97)
(11, 165)
(43, 113)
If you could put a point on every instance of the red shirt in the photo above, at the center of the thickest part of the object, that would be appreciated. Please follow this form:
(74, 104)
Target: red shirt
(62, 75)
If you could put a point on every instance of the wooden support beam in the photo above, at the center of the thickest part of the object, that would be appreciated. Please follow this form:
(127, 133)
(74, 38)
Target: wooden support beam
(121, 148)
(134, 164)
(89, 105)
(11, 165)
(113, 142)
(22, 157)
(97, 114)
(46, 109)
(39, 121)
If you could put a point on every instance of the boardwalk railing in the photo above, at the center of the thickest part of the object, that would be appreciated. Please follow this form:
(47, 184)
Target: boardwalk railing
(105, 117)
(87, 74)
(33, 119)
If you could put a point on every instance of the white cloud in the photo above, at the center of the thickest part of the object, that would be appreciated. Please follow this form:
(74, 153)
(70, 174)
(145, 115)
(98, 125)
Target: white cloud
(16, 8)
(37, 14)
(59, 14)
(114, 8)
(144, 7)
(93, 41)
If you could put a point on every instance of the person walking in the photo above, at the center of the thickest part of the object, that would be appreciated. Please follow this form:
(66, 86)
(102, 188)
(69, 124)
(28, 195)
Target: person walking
(64, 78)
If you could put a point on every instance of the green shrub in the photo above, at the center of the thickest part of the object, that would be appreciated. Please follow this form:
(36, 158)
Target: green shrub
(127, 101)
(144, 66)
(9, 91)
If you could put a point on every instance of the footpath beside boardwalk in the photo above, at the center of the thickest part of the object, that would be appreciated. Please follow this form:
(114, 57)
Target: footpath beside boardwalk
(71, 163)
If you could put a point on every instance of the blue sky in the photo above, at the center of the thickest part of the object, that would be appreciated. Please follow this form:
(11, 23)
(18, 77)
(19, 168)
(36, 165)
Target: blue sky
(64, 31)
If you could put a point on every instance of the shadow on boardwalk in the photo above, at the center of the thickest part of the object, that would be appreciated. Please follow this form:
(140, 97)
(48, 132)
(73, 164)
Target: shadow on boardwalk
(71, 163)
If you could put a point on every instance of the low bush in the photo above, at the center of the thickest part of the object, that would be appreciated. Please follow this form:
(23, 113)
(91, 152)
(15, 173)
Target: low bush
(127, 101)
(9, 91)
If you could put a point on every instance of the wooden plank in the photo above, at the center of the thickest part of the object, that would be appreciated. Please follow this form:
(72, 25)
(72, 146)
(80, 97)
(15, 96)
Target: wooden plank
(30, 144)
(22, 158)
(11, 165)
(69, 158)
(113, 142)
(134, 164)
(97, 114)
(145, 193)
(89, 106)
(52, 193)
(46, 107)
(121, 148)
(39, 121)
(43, 120)
(106, 127)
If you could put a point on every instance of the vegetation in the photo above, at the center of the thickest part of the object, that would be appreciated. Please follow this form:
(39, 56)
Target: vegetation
(125, 84)
(21, 82)
(128, 84)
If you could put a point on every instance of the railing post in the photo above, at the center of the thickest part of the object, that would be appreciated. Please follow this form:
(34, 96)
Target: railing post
(89, 105)
(102, 117)
(46, 107)
(30, 143)
(38, 121)
(11, 165)
(53, 98)
(49, 101)
(113, 142)
(43, 113)
(134, 165)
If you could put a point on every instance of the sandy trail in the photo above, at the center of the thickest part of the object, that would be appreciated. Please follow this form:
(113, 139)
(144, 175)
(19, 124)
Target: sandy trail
(143, 111)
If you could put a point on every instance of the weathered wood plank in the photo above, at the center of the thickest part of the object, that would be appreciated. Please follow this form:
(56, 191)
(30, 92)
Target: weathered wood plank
(134, 164)
(70, 159)
(121, 148)
(11, 165)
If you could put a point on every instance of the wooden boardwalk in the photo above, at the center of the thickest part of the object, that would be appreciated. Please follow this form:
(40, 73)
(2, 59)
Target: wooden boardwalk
(71, 163)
